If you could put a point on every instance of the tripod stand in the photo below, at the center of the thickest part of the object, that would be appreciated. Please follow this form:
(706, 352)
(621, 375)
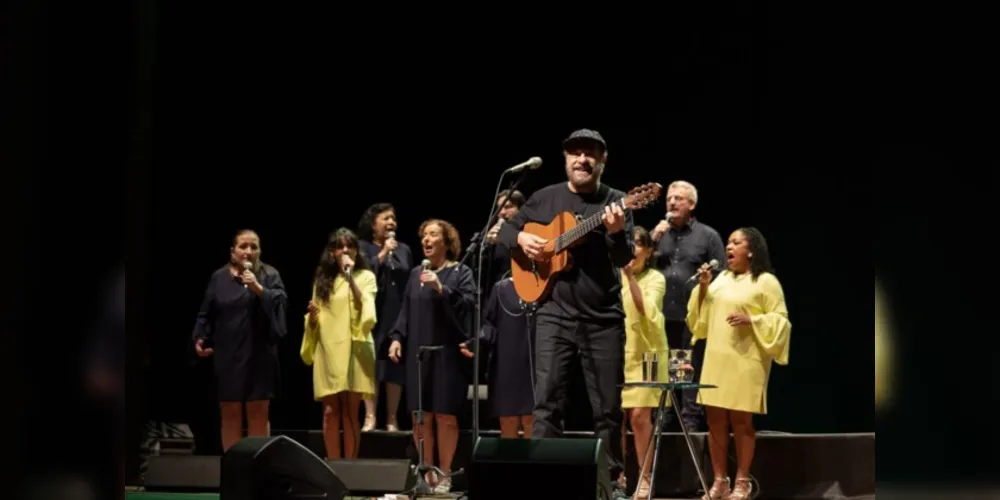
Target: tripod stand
(421, 488)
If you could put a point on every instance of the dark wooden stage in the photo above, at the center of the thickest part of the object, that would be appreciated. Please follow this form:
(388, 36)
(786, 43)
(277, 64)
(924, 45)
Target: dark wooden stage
(786, 466)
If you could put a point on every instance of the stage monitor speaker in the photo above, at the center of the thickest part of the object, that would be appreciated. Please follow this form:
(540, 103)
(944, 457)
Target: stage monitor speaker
(276, 468)
(374, 477)
(544, 468)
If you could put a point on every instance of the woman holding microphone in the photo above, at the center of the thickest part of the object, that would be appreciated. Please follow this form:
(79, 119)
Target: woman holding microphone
(743, 319)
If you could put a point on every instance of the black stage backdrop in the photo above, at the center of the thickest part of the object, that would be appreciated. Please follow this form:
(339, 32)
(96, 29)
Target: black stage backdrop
(275, 121)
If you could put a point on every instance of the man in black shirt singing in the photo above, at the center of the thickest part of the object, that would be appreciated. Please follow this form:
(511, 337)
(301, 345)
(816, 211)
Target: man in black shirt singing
(684, 244)
(583, 313)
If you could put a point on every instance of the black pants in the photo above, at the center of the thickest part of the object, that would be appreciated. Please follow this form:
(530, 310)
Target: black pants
(602, 358)
(679, 337)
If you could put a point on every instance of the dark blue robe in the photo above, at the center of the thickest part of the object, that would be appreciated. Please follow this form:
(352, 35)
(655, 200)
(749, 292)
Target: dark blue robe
(429, 318)
(391, 278)
(244, 330)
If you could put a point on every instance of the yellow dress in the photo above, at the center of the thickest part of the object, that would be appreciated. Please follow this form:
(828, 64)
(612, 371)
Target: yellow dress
(738, 358)
(644, 333)
(340, 347)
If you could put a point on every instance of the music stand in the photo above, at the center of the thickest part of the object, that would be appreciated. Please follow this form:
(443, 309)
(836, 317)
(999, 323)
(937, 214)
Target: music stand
(667, 390)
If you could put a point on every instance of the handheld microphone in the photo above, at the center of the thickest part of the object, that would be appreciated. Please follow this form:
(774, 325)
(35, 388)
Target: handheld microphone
(532, 163)
(714, 264)
(247, 265)
(426, 265)
(391, 235)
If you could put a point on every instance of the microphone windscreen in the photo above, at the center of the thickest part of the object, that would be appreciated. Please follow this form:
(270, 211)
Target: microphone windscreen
(426, 264)
(715, 264)
(391, 235)
(247, 265)
(534, 162)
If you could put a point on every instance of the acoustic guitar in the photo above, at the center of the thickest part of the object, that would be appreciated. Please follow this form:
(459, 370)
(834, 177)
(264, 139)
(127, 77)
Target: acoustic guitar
(533, 278)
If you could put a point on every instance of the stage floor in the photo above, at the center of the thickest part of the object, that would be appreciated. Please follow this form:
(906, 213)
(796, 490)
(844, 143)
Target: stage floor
(786, 466)
(213, 496)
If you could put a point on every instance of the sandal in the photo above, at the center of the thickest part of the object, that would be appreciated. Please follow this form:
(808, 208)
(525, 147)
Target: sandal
(719, 490)
(742, 489)
(642, 490)
(369, 423)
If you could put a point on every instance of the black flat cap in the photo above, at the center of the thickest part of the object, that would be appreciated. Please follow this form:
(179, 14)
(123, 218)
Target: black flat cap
(585, 137)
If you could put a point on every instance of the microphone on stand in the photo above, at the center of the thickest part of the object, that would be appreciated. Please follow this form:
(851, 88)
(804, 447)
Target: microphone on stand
(533, 163)
(714, 264)
(426, 264)
(391, 235)
(247, 265)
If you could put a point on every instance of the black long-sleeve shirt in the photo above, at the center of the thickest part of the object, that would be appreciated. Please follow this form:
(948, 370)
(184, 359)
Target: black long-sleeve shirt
(682, 250)
(591, 288)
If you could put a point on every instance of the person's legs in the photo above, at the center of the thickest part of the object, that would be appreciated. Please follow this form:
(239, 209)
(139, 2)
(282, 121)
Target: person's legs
(331, 426)
(641, 420)
(257, 423)
(745, 437)
(509, 427)
(527, 423)
(554, 348)
(602, 357)
(232, 423)
(691, 411)
(351, 403)
(426, 432)
(718, 450)
(371, 410)
(393, 392)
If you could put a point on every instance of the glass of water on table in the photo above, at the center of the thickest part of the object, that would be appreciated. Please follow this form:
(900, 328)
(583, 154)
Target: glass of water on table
(681, 370)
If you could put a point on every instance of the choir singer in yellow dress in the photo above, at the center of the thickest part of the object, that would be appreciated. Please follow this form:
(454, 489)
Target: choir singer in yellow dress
(743, 319)
(338, 340)
(643, 289)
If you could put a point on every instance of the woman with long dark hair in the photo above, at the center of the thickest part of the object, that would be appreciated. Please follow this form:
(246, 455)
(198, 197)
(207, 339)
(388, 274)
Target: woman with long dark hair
(391, 261)
(643, 288)
(338, 340)
(241, 320)
(743, 319)
(436, 311)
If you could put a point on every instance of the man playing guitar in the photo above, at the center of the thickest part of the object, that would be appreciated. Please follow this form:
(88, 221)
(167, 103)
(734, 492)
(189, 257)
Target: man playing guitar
(582, 314)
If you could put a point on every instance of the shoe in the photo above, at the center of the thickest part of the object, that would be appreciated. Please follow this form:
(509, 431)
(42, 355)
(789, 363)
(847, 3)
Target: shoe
(443, 487)
(392, 425)
(617, 492)
(719, 490)
(369, 423)
(742, 489)
(642, 490)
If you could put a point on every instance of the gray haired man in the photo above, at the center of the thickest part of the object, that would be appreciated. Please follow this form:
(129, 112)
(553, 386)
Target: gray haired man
(683, 245)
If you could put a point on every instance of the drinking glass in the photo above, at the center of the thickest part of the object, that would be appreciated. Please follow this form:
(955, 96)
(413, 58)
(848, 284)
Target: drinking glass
(650, 366)
(680, 367)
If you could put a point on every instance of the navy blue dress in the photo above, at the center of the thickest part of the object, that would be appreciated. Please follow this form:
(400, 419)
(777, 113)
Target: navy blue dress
(391, 278)
(429, 318)
(509, 331)
(244, 330)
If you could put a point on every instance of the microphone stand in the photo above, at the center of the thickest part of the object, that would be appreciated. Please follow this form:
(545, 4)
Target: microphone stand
(478, 322)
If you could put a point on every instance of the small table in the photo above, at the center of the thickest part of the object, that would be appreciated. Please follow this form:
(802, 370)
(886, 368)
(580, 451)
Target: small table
(667, 390)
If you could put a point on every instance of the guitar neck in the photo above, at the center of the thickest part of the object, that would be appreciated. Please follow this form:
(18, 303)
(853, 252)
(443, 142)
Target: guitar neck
(583, 228)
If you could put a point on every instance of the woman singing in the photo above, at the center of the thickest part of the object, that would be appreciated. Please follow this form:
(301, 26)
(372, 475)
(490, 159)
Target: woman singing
(391, 261)
(241, 319)
(338, 340)
(743, 318)
(507, 329)
(643, 289)
(436, 311)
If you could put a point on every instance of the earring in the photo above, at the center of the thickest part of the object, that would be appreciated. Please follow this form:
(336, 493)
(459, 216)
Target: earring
(750, 255)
